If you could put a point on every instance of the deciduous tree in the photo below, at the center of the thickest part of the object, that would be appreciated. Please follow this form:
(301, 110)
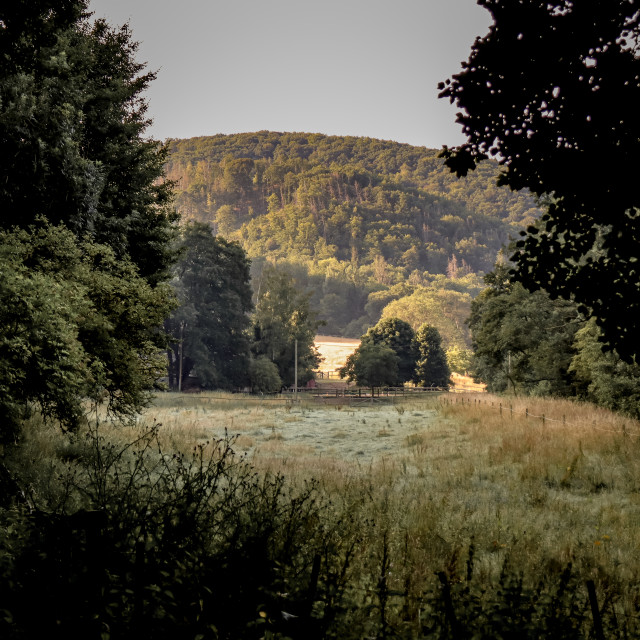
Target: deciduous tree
(283, 316)
(210, 327)
(76, 323)
(372, 365)
(399, 337)
(85, 305)
(522, 341)
(551, 92)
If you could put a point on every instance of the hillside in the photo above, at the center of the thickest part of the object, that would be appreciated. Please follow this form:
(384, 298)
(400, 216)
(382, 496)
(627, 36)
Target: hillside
(351, 217)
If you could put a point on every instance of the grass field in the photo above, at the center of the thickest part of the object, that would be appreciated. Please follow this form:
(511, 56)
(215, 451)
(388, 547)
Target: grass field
(334, 352)
(454, 471)
(451, 516)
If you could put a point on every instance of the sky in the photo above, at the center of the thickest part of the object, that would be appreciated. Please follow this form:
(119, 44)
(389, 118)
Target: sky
(339, 67)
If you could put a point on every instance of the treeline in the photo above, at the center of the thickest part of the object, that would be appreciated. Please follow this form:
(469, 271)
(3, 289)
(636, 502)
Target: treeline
(528, 343)
(350, 216)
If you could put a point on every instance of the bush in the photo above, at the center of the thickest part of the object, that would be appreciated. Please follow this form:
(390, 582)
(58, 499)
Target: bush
(264, 376)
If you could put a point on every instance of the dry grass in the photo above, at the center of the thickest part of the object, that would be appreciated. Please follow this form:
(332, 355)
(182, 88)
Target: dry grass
(441, 473)
(454, 470)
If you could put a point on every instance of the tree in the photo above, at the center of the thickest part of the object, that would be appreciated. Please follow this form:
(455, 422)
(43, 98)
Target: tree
(84, 293)
(264, 376)
(372, 365)
(399, 337)
(444, 309)
(604, 378)
(75, 323)
(432, 368)
(72, 120)
(282, 317)
(459, 359)
(523, 341)
(210, 328)
(551, 91)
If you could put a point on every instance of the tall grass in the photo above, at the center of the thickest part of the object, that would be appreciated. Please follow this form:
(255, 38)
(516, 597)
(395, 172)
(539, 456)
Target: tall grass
(465, 521)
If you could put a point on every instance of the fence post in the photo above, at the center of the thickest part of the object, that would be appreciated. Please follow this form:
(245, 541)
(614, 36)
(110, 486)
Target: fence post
(595, 610)
(501, 408)
(543, 419)
(526, 413)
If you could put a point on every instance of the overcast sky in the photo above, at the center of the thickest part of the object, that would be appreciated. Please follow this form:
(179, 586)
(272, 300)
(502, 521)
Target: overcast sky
(340, 67)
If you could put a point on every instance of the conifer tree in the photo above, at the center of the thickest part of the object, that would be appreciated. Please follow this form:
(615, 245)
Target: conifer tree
(432, 369)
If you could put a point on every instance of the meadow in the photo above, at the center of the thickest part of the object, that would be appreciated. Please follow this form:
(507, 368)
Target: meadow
(450, 516)
(448, 474)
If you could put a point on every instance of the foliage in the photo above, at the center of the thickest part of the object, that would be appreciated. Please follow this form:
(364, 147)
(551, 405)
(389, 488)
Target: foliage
(550, 91)
(76, 323)
(459, 360)
(400, 338)
(283, 316)
(445, 309)
(523, 341)
(605, 379)
(159, 544)
(432, 368)
(352, 216)
(527, 342)
(72, 120)
(264, 376)
(372, 365)
(210, 328)
(82, 307)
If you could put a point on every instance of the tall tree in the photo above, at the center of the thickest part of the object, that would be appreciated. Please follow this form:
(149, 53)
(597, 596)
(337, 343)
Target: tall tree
(282, 319)
(72, 123)
(86, 189)
(400, 338)
(372, 365)
(551, 92)
(75, 322)
(604, 378)
(523, 341)
(432, 368)
(210, 327)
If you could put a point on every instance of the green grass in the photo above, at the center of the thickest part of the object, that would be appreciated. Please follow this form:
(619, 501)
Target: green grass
(497, 504)
(447, 474)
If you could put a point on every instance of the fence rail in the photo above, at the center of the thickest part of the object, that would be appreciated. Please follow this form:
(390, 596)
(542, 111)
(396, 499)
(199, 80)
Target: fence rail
(362, 392)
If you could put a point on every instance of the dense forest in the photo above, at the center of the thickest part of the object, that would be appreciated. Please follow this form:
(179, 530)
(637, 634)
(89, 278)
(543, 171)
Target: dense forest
(358, 222)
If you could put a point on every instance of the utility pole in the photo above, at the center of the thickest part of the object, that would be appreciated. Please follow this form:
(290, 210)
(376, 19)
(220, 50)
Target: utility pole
(180, 352)
(295, 368)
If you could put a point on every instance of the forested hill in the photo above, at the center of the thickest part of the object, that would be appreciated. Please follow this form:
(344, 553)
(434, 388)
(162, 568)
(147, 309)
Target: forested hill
(371, 212)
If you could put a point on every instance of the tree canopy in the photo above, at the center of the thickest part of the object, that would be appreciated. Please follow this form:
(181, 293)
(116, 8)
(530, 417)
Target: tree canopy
(84, 211)
(372, 365)
(550, 92)
(71, 130)
(432, 368)
(398, 336)
(283, 316)
(210, 327)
